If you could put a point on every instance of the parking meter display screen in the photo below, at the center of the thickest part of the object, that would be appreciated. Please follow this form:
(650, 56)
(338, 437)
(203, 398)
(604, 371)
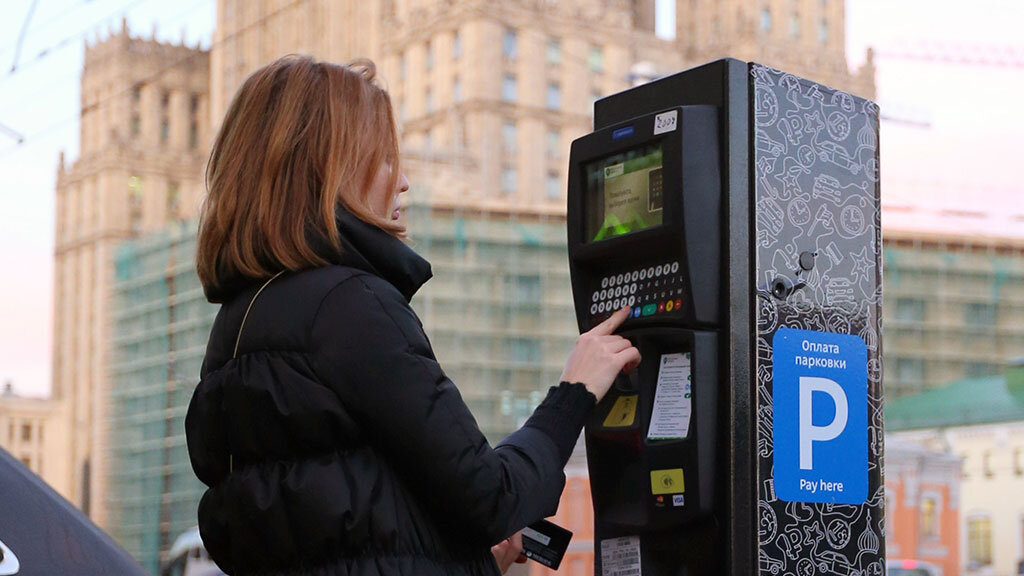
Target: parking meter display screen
(624, 193)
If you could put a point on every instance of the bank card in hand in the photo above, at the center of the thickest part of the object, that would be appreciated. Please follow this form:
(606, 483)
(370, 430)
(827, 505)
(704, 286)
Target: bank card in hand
(546, 542)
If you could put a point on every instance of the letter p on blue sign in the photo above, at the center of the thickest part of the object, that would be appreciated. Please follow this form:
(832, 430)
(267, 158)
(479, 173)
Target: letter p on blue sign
(820, 416)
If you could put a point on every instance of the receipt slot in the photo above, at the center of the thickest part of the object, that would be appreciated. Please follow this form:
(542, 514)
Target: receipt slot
(734, 209)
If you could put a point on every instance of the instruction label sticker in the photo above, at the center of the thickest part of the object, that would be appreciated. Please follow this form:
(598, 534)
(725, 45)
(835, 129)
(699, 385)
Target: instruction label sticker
(623, 412)
(620, 556)
(665, 122)
(670, 418)
(820, 421)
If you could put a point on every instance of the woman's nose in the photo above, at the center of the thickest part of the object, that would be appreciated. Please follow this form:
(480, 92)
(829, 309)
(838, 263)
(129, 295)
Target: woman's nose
(403, 183)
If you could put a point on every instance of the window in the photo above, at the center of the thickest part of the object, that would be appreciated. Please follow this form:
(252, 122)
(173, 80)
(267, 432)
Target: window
(26, 432)
(1018, 463)
(428, 56)
(553, 186)
(508, 88)
(508, 137)
(554, 96)
(26, 460)
(525, 350)
(429, 100)
(428, 141)
(554, 52)
(766, 20)
(554, 148)
(979, 541)
(911, 309)
(457, 90)
(909, 369)
(929, 517)
(173, 198)
(980, 369)
(193, 121)
(402, 67)
(823, 31)
(986, 464)
(456, 45)
(508, 43)
(402, 113)
(165, 122)
(595, 59)
(508, 180)
(980, 314)
(794, 25)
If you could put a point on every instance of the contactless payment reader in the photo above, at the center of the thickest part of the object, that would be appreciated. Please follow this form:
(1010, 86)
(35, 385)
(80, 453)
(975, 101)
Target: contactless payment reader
(733, 209)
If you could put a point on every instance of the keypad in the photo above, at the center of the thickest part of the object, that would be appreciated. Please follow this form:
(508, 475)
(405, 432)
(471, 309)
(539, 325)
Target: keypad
(650, 290)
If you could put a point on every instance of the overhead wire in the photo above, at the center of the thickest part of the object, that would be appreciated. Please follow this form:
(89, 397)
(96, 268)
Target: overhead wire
(34, 96)
(66, 41)
(153, 76)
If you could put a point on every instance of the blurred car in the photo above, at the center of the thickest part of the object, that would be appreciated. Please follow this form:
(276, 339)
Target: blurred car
(910, 567)
(188, 557)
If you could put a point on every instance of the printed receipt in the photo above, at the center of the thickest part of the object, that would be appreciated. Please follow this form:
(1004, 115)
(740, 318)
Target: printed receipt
(670, 418)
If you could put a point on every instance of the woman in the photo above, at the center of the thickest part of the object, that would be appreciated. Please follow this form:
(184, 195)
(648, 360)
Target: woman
(331, 440)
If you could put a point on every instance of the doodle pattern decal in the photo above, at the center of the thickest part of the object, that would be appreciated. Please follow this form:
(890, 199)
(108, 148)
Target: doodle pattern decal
(816, 193)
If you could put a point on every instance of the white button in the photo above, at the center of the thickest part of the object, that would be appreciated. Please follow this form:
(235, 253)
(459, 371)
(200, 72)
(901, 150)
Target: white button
(675, 267)
(602, 294)
(643, 274)
(625, 289)
(635, 275)
(618, 279)
(604, 282)
(595, 297)
(650, 272)
(600, 307)
(632, 300)
(593, 309)
(632, 288)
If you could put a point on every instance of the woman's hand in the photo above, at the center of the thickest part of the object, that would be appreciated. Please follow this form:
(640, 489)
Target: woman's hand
(508, 551)
(600, 355)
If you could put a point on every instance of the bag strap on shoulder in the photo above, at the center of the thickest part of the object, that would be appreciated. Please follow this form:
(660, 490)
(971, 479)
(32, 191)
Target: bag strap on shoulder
(238, 339)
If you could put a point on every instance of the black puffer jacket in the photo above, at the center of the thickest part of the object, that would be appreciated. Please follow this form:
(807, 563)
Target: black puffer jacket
(334, 444)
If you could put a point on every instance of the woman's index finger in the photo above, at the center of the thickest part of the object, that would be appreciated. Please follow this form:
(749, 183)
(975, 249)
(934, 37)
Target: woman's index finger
(612, 322)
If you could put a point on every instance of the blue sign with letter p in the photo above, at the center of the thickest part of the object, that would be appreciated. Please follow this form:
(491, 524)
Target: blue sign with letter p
(820, 417)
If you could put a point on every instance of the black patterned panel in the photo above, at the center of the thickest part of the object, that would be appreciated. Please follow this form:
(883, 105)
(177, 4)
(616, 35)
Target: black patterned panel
(815, 166)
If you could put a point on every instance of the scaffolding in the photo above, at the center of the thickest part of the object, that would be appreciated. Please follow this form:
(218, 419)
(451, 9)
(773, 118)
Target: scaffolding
(161, 322)
(953, 309)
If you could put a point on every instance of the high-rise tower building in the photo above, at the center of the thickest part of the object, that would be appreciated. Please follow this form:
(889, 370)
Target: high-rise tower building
(144, 135)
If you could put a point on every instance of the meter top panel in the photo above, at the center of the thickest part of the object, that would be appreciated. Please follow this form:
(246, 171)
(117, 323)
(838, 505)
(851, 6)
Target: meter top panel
(643, 219)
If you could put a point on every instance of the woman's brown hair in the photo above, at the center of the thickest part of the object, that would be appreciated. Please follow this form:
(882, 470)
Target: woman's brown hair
(299, 137)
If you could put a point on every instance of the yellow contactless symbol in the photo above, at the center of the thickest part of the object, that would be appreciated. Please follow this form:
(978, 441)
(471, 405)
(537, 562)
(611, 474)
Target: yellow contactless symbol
(623, 412)
(667, 481)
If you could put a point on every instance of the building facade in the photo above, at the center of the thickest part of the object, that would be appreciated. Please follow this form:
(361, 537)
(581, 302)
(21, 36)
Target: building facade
(491, 92)
(981, 422)
(922, 506)
(34, 430)
(143, 141)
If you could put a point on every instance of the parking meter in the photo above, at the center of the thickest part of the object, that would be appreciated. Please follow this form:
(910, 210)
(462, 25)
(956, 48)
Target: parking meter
(735, 210)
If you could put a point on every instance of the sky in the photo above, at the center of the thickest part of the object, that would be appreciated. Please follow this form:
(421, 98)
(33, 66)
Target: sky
(965, 160)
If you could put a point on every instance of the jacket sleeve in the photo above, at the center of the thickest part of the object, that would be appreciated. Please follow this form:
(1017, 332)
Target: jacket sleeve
(369, 347)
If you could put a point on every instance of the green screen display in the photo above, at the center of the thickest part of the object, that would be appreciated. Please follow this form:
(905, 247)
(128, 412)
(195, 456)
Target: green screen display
(624, 193)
